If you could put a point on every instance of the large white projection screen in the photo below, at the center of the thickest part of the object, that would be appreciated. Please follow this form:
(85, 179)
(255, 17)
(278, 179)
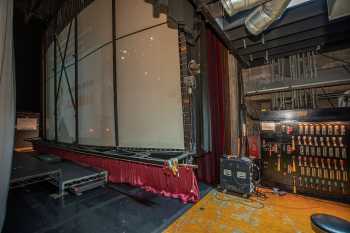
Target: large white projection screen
(65, 86)
(149, 100)
(96, 103)
(135, 15)
(149, 89)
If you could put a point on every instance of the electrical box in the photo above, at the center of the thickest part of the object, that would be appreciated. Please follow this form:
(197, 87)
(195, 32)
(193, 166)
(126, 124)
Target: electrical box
(236, 175)
(307, 152)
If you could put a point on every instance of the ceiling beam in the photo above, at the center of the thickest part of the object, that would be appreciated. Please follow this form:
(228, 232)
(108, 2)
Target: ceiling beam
(292, 48)
(308, 34)
(289, 29)
(202, 7)
(292, 15)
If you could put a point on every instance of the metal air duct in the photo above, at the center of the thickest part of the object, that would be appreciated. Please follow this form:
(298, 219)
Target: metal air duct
(234, 6)
(263, 16)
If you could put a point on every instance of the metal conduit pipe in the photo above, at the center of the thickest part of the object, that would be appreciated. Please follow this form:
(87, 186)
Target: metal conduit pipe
(263, 16)
(234, 6)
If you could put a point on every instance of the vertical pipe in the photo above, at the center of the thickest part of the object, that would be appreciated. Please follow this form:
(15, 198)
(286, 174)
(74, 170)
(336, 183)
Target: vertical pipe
(278, 69)
(310, 65)
(303, 65)
(44, 86)
(283, 68)
(243, 112)
(76, 80)
(298, 67)
(115, 94)
(55, 86)
(315, 64)
(240, 96)
(290, 68)
(272, 70)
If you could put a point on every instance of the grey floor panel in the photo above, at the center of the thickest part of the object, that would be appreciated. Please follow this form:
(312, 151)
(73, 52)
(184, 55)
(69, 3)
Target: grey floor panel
(25, 166)
(115, 209)
(73, 171)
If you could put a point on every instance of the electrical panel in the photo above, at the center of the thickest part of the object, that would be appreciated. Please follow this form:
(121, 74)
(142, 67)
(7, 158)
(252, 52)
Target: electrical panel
(307, 152)
(236, 175)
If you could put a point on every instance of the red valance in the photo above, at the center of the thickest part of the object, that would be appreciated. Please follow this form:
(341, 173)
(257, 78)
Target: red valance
(151, 178)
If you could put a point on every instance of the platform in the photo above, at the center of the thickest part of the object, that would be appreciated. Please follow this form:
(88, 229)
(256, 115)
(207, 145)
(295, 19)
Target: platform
(165, 172)
(67, 176)
(77, 179)
(153, 156)
(27, 170)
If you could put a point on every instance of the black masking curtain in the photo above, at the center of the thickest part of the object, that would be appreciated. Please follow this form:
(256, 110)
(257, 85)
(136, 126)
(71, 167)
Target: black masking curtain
(7, 101)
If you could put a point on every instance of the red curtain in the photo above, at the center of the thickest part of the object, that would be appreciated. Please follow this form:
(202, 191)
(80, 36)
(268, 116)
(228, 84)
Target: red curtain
(209, 164)
(151, 178)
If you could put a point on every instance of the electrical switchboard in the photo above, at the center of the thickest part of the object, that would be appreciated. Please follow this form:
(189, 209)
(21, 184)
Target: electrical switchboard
(307, 152)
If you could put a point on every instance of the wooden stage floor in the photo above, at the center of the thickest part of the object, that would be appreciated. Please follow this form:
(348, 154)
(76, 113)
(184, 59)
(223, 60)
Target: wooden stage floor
(218, 212)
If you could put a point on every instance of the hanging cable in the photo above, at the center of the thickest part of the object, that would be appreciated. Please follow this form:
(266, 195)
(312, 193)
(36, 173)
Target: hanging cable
(328, 99)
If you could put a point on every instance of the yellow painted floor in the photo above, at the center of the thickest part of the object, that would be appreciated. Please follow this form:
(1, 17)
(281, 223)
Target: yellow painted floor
(218, 212)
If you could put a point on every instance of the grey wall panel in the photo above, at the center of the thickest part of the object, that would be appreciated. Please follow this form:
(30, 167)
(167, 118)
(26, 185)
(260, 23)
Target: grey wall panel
(148, 79)
(149, 89)
(65, 107)
(138, 14)
(94, 26)
(65, 110)
(96, 114)
(62, 40)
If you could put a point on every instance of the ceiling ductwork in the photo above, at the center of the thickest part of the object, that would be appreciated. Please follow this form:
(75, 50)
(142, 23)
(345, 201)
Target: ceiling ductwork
(232, 7)
(338, 9)
(263, 16)
(303, 26)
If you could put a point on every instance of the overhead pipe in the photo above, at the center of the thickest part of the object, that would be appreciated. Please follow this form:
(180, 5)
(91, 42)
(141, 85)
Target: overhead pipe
(232, 7)
(318, 84)
(263, 16)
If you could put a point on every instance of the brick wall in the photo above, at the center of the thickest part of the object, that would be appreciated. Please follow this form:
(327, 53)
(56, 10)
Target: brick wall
(186, 96)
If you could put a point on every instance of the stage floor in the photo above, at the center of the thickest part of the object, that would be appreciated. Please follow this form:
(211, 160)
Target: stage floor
(28, 169)
(114, 209)
(221, 213)
(128, 209)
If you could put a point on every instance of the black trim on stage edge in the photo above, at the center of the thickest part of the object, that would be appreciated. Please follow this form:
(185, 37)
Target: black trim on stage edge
(151, 156)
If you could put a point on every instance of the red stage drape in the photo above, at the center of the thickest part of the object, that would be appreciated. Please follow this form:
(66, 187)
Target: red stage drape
(209, 164)
(152, 178)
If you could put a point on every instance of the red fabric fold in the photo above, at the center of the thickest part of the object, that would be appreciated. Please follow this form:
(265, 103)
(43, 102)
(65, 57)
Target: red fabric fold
(209, 163)
(151, 178)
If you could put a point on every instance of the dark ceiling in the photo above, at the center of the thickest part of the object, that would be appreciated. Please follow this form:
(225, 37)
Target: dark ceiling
(304, 26)
(43, 10)
(31, 18)
(27, 47)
